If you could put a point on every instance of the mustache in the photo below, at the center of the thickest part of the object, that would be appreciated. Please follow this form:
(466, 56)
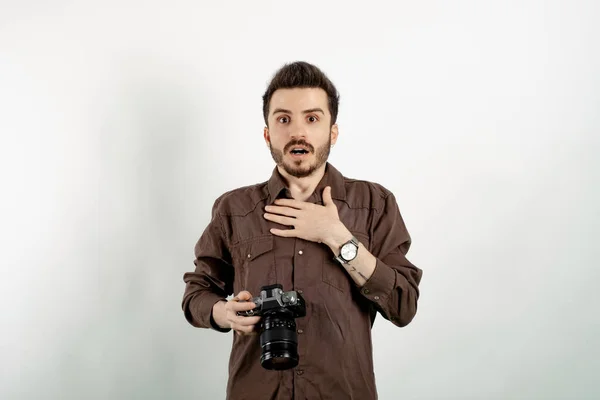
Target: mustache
(300, 142)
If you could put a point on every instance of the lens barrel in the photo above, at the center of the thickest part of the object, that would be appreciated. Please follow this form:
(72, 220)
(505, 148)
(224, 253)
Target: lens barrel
(279, 341)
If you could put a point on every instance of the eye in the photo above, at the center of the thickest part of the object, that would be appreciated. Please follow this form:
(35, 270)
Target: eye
(312, 118)
(283, 120)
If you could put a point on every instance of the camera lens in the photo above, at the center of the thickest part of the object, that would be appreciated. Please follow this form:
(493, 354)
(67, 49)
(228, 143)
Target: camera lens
(279, 341)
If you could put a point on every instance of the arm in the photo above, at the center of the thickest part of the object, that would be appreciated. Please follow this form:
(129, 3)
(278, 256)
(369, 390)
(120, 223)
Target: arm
(385, 276)
(212, 280)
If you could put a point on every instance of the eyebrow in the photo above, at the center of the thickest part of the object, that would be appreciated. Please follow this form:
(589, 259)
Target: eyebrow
(310, 110)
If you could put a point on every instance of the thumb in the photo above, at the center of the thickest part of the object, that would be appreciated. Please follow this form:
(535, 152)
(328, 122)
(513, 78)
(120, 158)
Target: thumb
(244, 295)
(327, 200)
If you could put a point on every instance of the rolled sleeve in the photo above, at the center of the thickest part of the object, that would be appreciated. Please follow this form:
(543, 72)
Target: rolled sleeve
(212, 280)
(380, 284)
(198, 311)
(394, 285)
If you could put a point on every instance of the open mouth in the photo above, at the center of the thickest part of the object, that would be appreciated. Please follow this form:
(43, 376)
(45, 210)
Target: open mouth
(299, 151)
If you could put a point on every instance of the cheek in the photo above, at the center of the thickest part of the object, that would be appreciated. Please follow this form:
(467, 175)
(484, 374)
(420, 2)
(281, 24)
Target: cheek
(276, 142)
(323, 136)
(278, 138)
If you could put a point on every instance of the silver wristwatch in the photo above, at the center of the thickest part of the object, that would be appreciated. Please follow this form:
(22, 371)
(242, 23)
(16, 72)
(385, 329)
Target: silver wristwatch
(348, 251)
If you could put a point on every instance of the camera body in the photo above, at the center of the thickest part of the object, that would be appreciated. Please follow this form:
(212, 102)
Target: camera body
(273, 299)
(278, 337)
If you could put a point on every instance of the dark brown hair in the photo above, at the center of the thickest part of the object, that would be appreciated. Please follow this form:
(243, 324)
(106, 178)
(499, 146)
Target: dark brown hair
(301, 74)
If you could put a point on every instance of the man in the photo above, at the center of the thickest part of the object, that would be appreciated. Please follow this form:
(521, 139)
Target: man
(291, 230)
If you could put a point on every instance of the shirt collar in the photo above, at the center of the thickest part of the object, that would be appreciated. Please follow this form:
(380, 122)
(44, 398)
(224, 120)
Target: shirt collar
(332, 177)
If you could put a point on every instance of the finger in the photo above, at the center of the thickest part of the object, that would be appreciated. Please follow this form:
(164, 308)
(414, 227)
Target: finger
(299, 205)
(244, 328)
(327, 200)
(287, 221)
(244, 321)
(241, 306)
(243, 295)
(282, 210)
(284, 232)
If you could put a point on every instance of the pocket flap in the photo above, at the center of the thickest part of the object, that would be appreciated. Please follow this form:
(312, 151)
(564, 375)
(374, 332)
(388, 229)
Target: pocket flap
(259, 246)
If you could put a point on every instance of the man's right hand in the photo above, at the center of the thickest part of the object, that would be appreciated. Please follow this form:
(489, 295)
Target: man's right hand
(225, 314)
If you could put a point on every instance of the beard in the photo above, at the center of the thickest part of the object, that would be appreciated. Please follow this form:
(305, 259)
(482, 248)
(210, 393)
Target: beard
(296, 168)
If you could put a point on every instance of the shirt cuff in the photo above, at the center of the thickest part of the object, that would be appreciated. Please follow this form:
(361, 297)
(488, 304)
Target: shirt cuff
(381, 283)
(203, 312)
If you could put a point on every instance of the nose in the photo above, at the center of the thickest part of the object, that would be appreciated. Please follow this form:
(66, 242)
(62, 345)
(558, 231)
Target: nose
(298, 131)
(298, 136)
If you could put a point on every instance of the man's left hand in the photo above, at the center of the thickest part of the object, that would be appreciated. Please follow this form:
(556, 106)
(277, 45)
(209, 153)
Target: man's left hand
(313, 222)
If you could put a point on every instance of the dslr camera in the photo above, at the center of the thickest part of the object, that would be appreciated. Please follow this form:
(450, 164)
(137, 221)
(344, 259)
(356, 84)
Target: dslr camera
(278, 337)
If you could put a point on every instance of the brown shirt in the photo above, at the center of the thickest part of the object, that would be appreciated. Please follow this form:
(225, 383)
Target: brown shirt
(237, 252)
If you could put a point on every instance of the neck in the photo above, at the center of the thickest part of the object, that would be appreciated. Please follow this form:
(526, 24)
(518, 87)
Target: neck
(302, 188)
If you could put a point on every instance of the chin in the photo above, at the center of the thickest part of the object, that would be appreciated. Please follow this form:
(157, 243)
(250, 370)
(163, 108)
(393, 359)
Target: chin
(300, 169)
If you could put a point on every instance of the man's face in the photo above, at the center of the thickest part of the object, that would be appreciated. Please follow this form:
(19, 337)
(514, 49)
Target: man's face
(299, 134)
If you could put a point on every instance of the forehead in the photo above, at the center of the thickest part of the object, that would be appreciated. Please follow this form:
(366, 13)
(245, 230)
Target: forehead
(299, 99)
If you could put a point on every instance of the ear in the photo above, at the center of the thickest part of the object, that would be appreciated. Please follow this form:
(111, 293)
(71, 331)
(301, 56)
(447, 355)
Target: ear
(267, 136)
(334, 134)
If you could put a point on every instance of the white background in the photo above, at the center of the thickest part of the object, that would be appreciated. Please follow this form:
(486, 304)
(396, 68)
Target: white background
(122, 121)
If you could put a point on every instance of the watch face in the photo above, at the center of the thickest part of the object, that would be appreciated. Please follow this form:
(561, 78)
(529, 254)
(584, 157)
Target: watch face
(348, 251)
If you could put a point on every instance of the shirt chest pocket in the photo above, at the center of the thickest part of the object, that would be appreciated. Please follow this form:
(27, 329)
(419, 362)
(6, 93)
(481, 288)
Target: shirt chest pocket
(334, 273)
(254, 264)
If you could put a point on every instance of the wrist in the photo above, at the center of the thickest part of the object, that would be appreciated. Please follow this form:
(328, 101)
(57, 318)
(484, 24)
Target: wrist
(219, 314)
(337, 237)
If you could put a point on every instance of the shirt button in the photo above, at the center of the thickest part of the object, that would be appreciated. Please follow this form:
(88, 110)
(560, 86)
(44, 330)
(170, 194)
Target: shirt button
(249, 255)
(366, 291)
(376, 298)
(300, 291)
(300, 331)
(300, 371)
(300, 252)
